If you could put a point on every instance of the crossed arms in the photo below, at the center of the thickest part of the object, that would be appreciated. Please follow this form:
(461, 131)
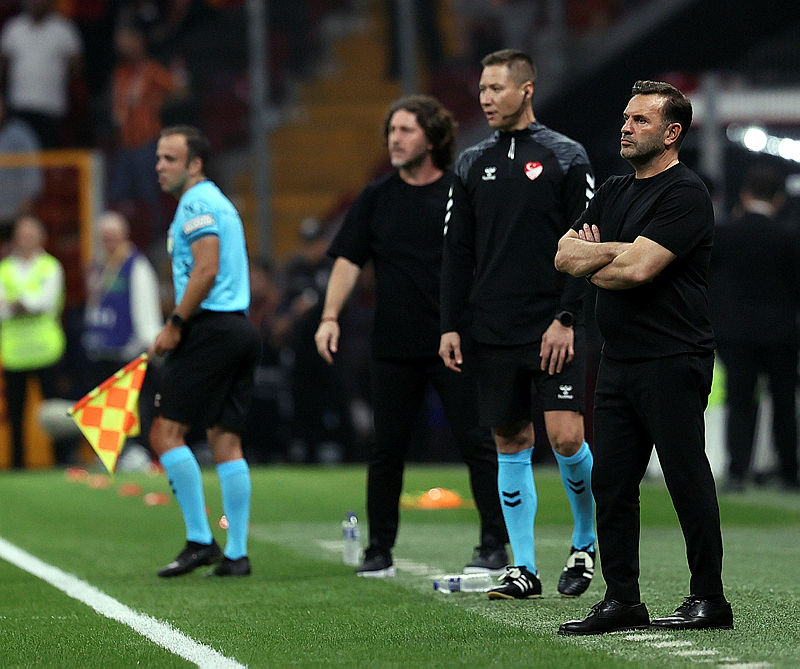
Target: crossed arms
(610, 265)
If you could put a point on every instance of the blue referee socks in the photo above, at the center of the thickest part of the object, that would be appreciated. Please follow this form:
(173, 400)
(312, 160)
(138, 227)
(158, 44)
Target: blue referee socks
(576, 475)
(183, 473)
(519, 503)
(234, 479)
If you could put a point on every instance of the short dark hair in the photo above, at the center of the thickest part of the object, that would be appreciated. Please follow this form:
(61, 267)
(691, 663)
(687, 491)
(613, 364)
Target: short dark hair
(763, 182)
(519, 63)
(676, 109)
(434, 119)
(196, 142)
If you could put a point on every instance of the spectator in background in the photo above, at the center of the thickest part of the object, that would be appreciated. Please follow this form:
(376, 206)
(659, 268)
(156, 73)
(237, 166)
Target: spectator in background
(755, 282)
(266, 432)
(123, 312)
(41, 51)
(32, 340)
(19, 186)
(320, 423)
(140, 87)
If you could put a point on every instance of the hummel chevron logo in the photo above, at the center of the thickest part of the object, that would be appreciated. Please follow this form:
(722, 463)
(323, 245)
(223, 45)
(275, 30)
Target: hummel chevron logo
(576, 486)
(508, 496)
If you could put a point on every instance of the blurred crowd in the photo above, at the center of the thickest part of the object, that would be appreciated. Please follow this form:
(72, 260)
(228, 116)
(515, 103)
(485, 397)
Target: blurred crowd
(109, 74)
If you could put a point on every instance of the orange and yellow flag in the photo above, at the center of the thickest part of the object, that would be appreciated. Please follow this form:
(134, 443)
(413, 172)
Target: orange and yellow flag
(110, 413)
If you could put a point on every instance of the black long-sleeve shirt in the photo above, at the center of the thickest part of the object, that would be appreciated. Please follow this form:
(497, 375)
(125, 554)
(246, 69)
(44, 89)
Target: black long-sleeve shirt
(514, 196)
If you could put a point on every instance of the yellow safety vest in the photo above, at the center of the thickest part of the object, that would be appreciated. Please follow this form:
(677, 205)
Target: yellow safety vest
(30, 341)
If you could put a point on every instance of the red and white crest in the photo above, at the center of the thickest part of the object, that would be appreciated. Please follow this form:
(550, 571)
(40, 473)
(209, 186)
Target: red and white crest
(533, 170)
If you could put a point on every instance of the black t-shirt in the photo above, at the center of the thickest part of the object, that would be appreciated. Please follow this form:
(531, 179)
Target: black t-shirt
(514, 196)
(399, 227)
(755, 281)
(669, 315)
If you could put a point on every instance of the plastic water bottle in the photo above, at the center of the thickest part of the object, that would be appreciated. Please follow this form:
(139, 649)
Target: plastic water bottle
(463, 583)
(351, 533)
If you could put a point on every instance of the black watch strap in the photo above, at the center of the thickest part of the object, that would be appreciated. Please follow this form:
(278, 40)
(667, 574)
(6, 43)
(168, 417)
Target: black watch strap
(566, 318)
(177, 320)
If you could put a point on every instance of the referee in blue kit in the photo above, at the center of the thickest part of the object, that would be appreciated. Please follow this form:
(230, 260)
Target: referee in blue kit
(212, 353)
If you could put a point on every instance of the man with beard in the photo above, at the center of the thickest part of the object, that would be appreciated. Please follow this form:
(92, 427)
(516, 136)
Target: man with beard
(397, 222)
(645, 242)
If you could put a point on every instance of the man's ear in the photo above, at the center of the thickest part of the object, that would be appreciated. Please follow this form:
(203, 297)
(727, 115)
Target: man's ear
(672, 133)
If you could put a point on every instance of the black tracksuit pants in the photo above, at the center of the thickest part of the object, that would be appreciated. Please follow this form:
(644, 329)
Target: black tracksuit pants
(637, 404)
(398, 393)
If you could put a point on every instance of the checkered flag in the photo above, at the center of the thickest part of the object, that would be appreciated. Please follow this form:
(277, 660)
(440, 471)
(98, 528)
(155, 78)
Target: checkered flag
(110, 413)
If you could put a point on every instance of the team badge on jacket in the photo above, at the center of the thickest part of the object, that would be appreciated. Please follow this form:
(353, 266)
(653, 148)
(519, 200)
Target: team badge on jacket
(533, 170)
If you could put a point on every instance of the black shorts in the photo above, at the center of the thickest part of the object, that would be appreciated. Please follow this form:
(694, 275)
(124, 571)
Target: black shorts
(509, 377)
(207, 381)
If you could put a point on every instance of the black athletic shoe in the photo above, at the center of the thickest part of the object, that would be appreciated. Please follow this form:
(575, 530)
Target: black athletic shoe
(697, 613)
(517, 583)
(377, 565)
(190, 558)
(487, 560)
(577, 574)
(228, 567)
(609, 616)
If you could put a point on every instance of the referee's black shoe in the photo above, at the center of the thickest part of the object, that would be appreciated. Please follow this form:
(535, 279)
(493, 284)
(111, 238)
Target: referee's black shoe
(194, 555)
(228, 567)
(697, 613)
(577, 574)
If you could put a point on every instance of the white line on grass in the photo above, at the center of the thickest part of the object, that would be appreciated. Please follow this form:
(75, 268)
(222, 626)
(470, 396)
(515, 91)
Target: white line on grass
(654, 639)
(416, 568)
(160, 633)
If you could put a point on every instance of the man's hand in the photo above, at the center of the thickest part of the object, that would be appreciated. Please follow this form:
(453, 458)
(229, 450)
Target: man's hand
(327, 339)
(450, 351)
(558, 347)
(589, 233)
(166, 340)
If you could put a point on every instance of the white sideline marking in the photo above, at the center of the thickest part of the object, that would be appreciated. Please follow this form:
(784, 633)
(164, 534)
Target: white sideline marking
(655, 639)
(696, 651)
(670, 644)
(160, 633)
(416, 568)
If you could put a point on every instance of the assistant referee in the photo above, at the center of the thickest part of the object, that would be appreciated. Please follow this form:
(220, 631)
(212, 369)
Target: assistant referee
(213, 350)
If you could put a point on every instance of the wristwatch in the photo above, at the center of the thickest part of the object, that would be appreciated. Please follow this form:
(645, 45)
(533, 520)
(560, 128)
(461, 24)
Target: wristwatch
(566, 318)
(177, 320)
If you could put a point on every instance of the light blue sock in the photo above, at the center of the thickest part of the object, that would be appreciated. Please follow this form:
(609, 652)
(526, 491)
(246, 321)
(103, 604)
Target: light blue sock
(576, 475)
(519, 502)
(183, 473)
(234, 479)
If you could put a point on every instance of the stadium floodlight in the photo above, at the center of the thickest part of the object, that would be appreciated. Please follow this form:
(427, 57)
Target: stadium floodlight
(755, 139)
(758, 140)
(789, 149)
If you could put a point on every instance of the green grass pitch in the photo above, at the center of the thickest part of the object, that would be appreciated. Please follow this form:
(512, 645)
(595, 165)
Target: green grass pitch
(303, 607)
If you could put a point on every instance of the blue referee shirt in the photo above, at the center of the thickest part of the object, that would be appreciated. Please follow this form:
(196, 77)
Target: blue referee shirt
(204, 210)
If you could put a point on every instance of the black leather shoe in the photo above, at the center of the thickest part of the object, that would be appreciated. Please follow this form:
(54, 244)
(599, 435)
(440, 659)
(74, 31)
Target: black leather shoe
(609, 616)
(698, 614)
(194, 555)
(228, 567)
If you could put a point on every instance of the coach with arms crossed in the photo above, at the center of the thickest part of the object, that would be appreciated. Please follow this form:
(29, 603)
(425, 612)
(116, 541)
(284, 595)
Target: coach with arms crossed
(645, 242)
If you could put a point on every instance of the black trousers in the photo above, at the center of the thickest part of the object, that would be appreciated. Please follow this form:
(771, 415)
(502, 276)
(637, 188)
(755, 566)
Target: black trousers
(16, 392)
(639, 404)
(743, 364)
(398, 392)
